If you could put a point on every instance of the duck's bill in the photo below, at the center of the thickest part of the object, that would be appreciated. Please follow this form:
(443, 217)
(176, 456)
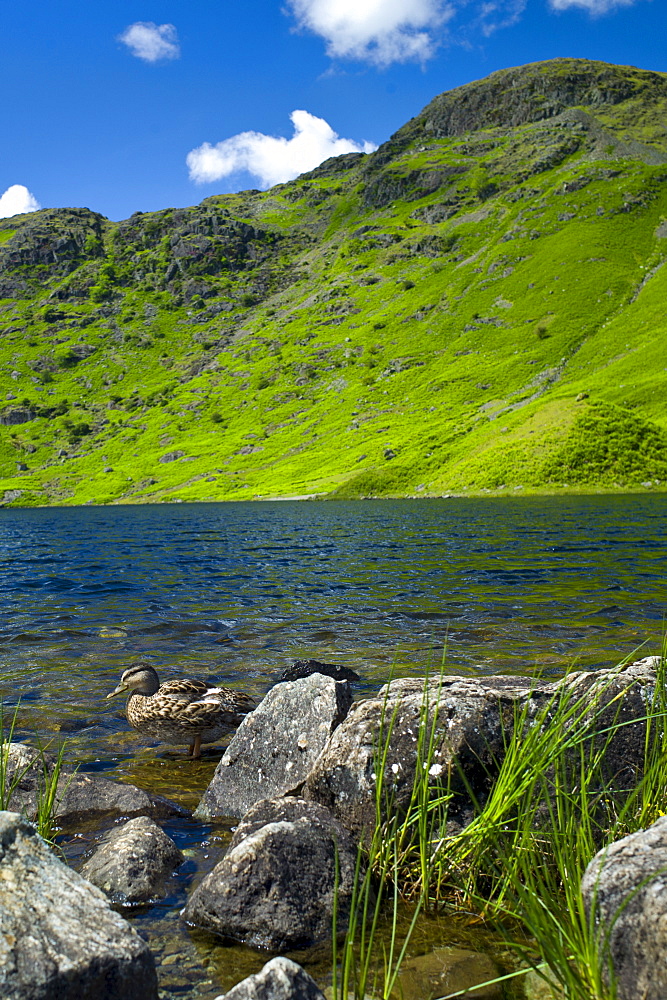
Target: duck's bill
(118, 690)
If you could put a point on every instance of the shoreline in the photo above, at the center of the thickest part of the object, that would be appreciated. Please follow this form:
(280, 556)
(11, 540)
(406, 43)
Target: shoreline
(513, 493)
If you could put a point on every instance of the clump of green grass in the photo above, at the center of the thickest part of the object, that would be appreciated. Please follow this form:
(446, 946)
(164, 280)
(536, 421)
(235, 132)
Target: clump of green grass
(520, 862)
(48, 795)
(608, 444)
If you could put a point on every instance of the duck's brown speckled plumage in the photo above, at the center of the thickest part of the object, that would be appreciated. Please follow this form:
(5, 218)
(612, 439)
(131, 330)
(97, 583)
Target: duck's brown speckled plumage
(183, 711)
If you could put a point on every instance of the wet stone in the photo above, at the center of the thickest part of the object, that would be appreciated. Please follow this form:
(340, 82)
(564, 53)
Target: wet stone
(133, 862)
(291, 846)
(275, 747)
(59, 937)
(304, 668)
(80, 796)
(280, 979)
(449, 970)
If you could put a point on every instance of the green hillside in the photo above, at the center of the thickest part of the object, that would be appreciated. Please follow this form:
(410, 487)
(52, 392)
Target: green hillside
(478, 305)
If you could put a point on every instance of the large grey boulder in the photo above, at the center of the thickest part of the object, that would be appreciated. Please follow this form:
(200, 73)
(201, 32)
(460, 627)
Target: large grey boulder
(275, 886)
(471, 720)
(79, 796)
(133, 861)
(280, 979)
(626, 887)
(59, 937)
(275, 747)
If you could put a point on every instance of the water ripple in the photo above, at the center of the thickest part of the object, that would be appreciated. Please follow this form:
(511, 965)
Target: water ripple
(242, 589)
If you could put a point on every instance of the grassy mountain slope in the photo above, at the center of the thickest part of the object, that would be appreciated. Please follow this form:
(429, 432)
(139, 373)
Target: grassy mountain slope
(478, 305)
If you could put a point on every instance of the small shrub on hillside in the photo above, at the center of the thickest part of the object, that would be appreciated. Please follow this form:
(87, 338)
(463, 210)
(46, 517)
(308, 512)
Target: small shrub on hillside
(78, 431)
(481, 184)
(93, 246)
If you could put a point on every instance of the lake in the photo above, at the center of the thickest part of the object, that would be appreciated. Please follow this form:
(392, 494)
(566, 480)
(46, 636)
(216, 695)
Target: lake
(237, 591)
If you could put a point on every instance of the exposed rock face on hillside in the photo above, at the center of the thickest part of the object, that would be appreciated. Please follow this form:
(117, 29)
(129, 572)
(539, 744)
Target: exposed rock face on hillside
(514, 97)
(47, 244)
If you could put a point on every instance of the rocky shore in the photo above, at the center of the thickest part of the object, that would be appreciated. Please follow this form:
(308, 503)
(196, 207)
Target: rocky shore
(299, 779)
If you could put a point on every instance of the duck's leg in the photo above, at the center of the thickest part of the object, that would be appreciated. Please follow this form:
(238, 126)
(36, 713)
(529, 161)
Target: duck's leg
(195, 749)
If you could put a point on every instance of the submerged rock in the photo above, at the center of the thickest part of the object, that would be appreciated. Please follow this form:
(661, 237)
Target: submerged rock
(626, 886)
(274, 749)
(449, 970)
(133, 861)
(275, 886)
(280, 979)
(79, 796)
(59, 937)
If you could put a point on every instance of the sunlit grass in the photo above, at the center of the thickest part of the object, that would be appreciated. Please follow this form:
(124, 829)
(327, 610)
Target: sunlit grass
(519, 863)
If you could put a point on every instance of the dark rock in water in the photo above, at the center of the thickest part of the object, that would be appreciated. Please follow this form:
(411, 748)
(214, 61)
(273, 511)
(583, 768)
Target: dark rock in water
(472, 718)
(275, 747)
(280, 979)
(59, 937)
(291, 847)
(304, 668)
(79, 796)
(133, 861)
(626, 885)
(89, 795)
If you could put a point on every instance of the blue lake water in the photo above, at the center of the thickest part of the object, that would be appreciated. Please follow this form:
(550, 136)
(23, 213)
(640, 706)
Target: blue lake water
(239, 590)
(235, 592)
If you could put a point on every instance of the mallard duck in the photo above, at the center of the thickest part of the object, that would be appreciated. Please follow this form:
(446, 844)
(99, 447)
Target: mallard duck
(182, 711)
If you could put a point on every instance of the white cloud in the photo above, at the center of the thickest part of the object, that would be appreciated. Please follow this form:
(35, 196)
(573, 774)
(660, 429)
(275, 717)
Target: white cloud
(16, 200)
(272, 159)
(377, 31)
(151, 42)
(497, 14)
(594, 7)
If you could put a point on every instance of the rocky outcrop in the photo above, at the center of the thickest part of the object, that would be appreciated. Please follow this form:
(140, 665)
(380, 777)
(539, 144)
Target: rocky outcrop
(59, 936)
(16, 415)
(470, 719)
(79, 796)
(274, 749)
(53, 242)
(626, 887)
(531, 93)
(132, 862)
(280, 979)
(275, 887)
(194, 242)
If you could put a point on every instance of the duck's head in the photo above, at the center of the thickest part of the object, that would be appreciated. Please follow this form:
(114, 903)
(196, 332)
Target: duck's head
(139, 677)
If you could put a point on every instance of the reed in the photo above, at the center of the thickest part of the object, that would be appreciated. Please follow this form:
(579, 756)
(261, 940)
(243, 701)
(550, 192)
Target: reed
(49, 794)
(518, 865)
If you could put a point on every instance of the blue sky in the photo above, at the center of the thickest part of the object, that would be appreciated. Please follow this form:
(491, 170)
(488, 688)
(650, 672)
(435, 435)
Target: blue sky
(135, 106)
